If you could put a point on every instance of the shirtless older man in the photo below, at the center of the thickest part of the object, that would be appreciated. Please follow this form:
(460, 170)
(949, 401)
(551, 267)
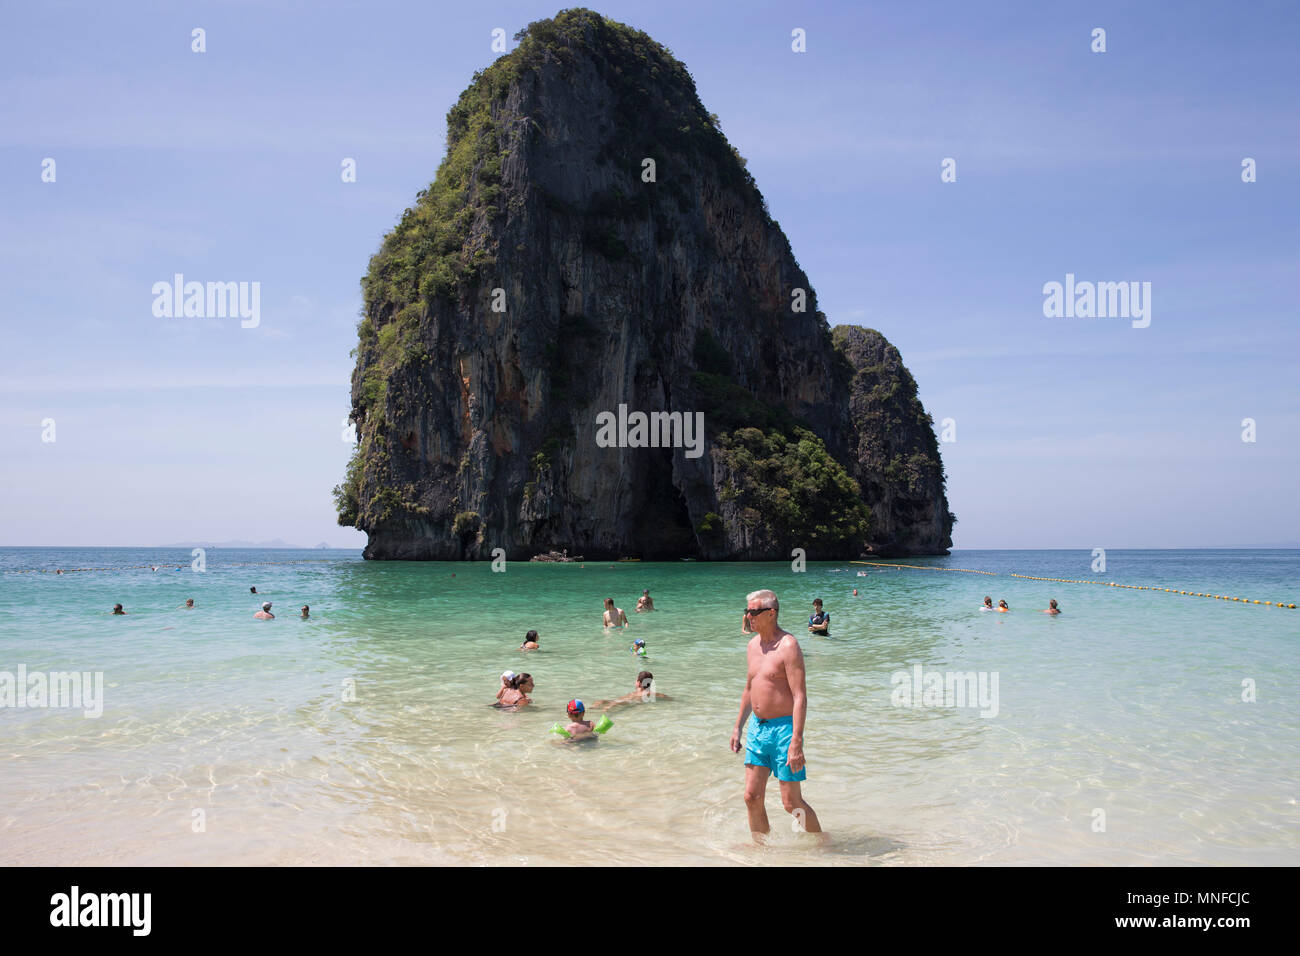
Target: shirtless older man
(776, 694)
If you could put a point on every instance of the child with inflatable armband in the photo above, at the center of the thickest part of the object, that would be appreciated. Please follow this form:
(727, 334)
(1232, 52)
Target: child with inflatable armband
(638, 647)
(579, 729)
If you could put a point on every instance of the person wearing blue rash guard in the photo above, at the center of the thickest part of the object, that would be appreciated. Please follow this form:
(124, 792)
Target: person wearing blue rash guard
(820, 622)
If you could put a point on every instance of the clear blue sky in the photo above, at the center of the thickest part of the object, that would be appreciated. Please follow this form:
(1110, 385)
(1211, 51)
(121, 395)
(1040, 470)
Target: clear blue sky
(1070, 432)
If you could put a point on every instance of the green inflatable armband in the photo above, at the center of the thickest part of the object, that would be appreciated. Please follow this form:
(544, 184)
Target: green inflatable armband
(603, 724)
(557, 729)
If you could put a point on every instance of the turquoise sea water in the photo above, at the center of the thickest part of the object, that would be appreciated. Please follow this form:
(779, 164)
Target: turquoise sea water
(228, 740)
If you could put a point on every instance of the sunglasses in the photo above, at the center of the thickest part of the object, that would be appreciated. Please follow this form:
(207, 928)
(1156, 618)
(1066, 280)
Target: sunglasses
(751, 611)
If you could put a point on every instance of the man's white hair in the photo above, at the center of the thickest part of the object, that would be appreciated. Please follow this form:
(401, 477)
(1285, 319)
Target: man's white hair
(767, 597)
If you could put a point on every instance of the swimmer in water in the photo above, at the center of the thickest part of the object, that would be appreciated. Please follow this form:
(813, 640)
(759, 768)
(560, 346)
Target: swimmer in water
(506, 678)
(644, 602)
(638, 647)
(577, 727)
(1052, 608)
(117, 609)
(189, 604)
(644, 693)
(820, 622)
(1002, 606)
(516, 694)
(265, 614)
(614, 616)
(530, 642)
(306, 611)
(987, 605)
(252, 590)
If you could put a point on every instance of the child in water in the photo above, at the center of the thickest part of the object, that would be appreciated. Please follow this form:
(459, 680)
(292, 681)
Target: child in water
(506, 678)
(638, 647)
(578, 727)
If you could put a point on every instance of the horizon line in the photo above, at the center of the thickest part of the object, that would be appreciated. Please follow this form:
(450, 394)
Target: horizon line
(263, 547)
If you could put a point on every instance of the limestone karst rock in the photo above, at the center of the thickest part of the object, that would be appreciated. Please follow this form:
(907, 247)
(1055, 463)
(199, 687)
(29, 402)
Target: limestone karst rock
(591, 240)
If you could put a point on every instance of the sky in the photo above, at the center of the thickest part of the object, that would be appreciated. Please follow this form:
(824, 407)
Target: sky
(225, 165)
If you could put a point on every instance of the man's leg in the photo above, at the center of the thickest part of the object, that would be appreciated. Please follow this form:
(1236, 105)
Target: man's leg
(793, 801)
(755, 791)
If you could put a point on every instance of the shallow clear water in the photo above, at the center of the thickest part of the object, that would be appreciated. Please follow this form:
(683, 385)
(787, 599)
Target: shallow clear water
(1129, 703)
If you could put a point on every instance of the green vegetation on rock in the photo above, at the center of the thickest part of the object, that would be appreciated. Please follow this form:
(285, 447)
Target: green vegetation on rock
(793, 486)
(346, 496)
(466, 523)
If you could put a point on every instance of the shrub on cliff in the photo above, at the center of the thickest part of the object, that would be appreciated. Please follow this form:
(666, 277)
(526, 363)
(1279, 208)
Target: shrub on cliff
(346, 496)
(801, 493)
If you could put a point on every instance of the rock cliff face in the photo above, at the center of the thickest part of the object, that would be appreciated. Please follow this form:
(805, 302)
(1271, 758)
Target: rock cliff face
(895, 457)
(590, 241)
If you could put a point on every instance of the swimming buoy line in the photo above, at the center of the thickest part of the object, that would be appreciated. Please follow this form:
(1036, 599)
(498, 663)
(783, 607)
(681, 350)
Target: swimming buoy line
(874, 564)
(1113, 584)
(136, 567)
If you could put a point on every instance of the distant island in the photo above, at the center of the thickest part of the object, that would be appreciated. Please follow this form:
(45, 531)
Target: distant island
(242, 545)
(589, 333)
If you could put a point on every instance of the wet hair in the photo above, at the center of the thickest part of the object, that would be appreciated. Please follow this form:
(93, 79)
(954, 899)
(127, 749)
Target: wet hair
(252, 590)
(189, 601)
(987, 599)
(531, 636)
(117, 607)
(518, 680)
(817, 600)
(306, 607)
(609, 602)
(1003, 603)
(1052, 603)
(644, 680)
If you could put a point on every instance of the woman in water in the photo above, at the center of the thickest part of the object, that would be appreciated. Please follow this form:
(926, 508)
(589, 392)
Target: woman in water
(516, 694)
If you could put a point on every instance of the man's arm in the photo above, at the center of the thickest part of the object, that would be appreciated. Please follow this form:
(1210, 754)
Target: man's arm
(744, 712)
(794, 674)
